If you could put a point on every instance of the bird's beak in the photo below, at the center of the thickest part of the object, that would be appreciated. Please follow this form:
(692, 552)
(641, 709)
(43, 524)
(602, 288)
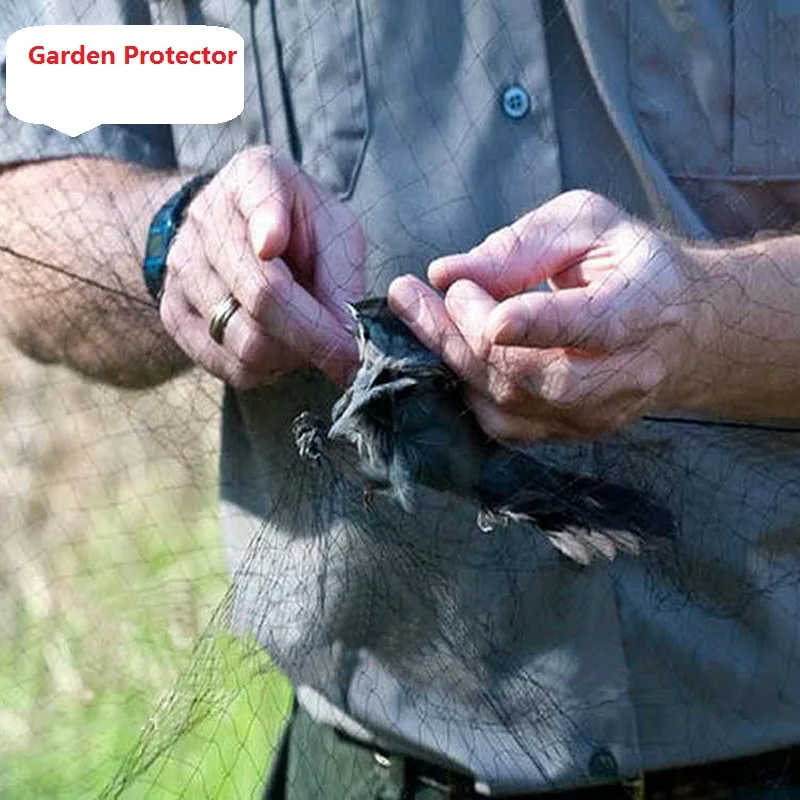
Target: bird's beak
(337, 430)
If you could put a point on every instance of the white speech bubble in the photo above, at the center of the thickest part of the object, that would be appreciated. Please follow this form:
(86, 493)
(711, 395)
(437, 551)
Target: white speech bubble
(156, 74)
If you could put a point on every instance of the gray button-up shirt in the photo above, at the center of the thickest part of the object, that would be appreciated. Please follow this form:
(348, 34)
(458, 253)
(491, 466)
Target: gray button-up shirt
(490, 652)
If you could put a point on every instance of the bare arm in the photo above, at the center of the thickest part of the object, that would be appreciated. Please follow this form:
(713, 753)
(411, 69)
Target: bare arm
(638, 322)
(72, 234)
(751, 313)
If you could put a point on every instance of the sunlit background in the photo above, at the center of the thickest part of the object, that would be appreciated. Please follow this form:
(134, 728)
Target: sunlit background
(111, 565)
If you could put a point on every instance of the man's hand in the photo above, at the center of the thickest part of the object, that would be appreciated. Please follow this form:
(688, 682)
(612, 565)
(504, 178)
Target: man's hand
(624, 329)
(288, 251)
(71, 243)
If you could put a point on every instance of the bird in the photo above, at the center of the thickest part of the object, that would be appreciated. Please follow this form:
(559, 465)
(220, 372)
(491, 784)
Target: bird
(406, 414)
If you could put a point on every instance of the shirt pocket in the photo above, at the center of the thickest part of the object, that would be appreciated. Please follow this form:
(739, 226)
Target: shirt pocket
(324, 82)
(715, 85)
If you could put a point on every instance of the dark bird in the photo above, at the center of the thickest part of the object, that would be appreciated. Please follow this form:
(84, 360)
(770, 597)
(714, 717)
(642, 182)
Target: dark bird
(405, 412)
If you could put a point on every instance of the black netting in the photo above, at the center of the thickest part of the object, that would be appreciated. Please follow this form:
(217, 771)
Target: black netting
(185, 567)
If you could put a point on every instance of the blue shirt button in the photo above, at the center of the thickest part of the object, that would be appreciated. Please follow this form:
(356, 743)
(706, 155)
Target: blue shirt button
(516, 102)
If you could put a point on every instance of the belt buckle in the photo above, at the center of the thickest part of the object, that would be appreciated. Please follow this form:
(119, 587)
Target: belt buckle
(635, 787)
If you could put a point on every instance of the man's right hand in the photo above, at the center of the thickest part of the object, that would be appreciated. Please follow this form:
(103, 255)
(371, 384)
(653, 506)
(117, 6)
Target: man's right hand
(288, 250)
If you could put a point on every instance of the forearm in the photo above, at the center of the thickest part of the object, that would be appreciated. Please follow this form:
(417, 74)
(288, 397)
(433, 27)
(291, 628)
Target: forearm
(72, 235)
(747, 363)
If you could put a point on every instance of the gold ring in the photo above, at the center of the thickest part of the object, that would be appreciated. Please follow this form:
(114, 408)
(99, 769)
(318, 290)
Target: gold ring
(223, 312)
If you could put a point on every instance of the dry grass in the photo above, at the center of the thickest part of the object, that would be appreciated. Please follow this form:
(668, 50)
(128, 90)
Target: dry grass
(110, 564)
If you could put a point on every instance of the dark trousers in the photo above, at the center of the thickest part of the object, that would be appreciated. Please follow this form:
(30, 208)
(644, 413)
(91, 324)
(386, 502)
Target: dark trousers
(316, 762)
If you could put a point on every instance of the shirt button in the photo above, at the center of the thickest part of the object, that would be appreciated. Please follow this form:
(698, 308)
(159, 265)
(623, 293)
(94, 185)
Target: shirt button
(516, 102)
(602, 764)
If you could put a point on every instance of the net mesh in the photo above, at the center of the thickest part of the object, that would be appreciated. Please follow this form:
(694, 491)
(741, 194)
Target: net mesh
(141, 659)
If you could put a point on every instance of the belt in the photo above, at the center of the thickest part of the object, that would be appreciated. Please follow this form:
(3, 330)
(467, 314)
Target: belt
(714, 781)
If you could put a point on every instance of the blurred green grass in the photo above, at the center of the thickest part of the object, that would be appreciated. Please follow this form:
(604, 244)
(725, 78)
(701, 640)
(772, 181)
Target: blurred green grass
(80, 683)
(111, 565)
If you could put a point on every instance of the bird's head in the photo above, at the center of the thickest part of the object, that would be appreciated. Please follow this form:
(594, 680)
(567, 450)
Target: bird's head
(380, 333)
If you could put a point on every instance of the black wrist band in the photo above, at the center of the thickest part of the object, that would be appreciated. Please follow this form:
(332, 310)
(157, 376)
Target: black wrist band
(161, 234)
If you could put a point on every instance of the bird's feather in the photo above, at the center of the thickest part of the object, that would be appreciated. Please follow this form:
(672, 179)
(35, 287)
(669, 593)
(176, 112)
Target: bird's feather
(406, 415)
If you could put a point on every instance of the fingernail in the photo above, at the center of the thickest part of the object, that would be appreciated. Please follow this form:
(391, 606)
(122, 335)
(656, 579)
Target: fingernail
(437, 271)
(433, 268)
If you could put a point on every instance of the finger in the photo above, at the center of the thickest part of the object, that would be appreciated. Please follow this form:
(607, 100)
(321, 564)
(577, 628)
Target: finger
(570, 396)
(191, 275)
(535, 248)
(291, 218)
(423, 310)
(585, 319)
(469, 306)
(511, 372)
(200, 283)
(190, 332)
(339, 273)
(243, 336)
(283, 309)
(263, 188)
(500, 374)
(288, 313)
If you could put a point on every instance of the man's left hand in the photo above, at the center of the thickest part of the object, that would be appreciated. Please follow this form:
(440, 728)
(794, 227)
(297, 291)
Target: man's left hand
(622, 330)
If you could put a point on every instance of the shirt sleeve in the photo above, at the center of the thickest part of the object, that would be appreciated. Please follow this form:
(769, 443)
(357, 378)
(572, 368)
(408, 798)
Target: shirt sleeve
(149, 145)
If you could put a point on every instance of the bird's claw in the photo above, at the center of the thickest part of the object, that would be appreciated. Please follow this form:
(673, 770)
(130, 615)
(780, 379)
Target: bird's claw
(309, 436)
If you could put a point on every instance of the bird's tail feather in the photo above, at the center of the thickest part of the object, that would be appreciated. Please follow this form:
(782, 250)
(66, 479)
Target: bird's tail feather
(582, 516)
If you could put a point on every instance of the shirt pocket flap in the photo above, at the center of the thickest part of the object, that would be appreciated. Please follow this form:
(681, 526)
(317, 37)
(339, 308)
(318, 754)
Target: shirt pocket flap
(322, 63)
(715, 85)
